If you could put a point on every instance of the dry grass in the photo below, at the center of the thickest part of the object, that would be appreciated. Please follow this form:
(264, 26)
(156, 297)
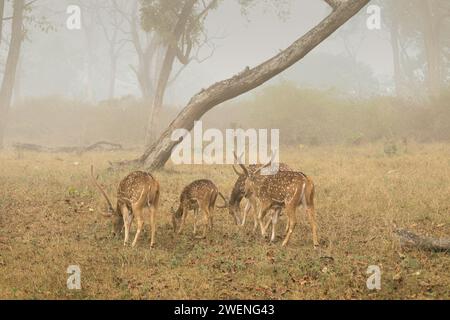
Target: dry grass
(46, 225)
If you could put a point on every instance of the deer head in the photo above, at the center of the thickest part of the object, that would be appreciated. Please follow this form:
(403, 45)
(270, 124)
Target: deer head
(110, 211)
(250, 176)
(176, 216)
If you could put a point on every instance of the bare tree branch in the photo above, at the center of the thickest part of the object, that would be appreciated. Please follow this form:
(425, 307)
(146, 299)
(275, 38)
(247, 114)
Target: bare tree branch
(157, 155)
(335, 3)
(2, 10)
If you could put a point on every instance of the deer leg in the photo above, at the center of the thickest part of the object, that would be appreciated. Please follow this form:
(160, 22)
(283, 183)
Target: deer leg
(206, 222)
(255, 221)
(195, 221)
(275, 216)
(210, 222)
(256, 211)
(126, 223)
(247, 208)
(290, 212)
(183, 220)
(262, 214)
(266, 226)
(312, 221)
(210, 218)
(153, 226)
(286, 229)
(140, 224)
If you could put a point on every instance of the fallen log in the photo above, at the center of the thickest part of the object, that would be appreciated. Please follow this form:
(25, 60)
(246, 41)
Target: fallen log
(410, 239)
(98, 146)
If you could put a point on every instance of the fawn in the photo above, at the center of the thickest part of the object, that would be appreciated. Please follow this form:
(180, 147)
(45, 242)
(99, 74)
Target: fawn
(198, 195)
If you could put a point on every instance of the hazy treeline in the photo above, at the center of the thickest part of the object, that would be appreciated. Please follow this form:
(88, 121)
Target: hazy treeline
(305, 116)
(160, 53)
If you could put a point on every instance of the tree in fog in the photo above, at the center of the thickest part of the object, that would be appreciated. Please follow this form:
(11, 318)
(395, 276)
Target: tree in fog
(146, 46)
(418, 34)
(159, 152)
(23, 18)
(2, 10)
(112, 23)
(7, 85)
(180, 26)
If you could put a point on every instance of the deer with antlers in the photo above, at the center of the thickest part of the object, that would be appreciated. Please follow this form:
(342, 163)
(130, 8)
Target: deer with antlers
(138, 194)
(200, 195)
(238, 194)
(285, 190)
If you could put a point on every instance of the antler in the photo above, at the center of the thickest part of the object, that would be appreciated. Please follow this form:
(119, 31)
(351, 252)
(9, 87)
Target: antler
(267, 164)
(102, 191)
(239, 161)
(237, 172)
(224, 200)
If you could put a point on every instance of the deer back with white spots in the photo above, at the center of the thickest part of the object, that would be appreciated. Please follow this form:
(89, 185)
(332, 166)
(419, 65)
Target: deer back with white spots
(137, 196)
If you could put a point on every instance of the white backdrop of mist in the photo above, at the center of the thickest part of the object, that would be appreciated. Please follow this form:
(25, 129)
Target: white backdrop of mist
(54, 63)
(343, 91)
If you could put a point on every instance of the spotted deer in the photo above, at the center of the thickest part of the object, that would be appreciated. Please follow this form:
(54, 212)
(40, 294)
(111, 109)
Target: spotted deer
(137, 194)
(200, 195)
(285, 190)
(238, 194)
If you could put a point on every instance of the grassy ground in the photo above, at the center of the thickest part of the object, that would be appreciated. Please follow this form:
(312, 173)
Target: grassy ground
(49, 219)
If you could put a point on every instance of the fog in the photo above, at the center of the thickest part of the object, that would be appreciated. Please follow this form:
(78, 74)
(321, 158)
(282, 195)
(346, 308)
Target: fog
(355, 62)
(55, 62)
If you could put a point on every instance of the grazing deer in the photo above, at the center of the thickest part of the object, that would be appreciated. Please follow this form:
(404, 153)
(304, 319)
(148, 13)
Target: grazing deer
(138, 194)
(238, 193)
(198, 195)
(236, 196)
(285, 190)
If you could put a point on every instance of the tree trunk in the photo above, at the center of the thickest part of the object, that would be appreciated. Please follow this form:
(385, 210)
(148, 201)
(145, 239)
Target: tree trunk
(112, 75)
(143, 74)
(17, 93)
(145, 55)
(394, 33)
(157, 155)
(7, 87)
(431, 42)
(158, 98)
(90, 59)
(2, 9)
(166, 70)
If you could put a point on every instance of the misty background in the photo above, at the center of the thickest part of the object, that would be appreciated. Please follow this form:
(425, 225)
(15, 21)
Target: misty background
(76, 87)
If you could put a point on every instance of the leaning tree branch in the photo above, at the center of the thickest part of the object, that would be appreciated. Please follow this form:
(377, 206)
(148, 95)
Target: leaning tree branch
(157, 155)
(335, 3)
